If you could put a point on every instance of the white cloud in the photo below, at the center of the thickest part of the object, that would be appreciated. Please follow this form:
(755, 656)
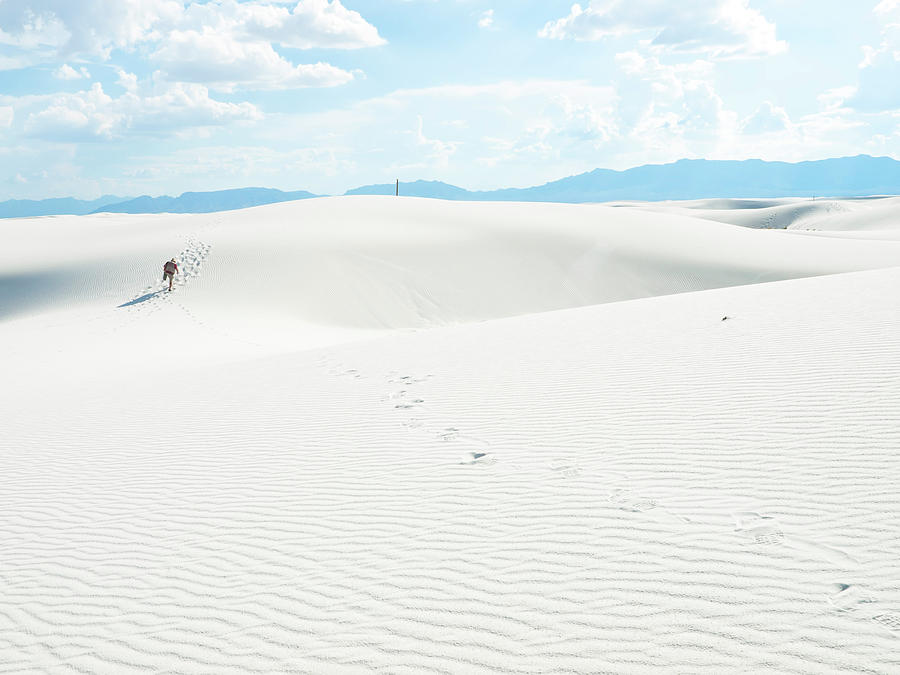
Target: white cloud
(665, 78)
(16, 62)
(183, 106)
(93, 115)
(67, 72)
(487, 19)
(126, 80)
(510, 126)
(439, 152)
(718, 28)
(309, 24)
(98, 26)
(226, 45)
(223, 62)
(194, 41)
(80, 116)
(591, 122)
(7, 114)
(834, 99)
(879, 70)
(28, 38)
(672, 111)
(481, 136)
(233, 166)
(28, 30)
(768, 118)
(85, 27)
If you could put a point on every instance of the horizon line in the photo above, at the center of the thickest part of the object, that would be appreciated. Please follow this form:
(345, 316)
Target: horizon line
(472, 190)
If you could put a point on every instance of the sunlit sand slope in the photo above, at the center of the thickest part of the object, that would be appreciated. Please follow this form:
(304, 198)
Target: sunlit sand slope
(370, 263)
(704, 482)
(855, 214)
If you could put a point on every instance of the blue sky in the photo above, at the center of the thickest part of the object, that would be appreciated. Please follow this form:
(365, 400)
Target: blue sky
(156, 97)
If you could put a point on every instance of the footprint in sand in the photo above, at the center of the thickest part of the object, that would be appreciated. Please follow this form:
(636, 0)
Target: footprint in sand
(341, 370)
(192, 258)
(191, 261)
(411, 403)
(854, 599)
(630, 502)
(474, 457)
(478, 452)
(849, 597)
(758, 528)
(448, 434)
(765, 530)
(402, 400)
(408, 379)
(565, 468)
(890, 620)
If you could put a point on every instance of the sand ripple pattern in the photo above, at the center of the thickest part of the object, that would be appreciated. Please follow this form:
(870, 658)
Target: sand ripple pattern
(624, 489)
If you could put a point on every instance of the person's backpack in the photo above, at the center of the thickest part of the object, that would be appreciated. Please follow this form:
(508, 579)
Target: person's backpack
(170, 267)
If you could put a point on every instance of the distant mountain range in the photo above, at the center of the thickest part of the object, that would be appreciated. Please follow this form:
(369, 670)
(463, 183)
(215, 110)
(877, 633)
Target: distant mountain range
(205, 202)
(25, 208)
(433, 189)
(685, 179)
(688, 179)
(188, 202)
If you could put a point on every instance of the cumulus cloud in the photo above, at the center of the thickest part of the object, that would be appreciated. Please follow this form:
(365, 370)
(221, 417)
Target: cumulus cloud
(879, 70)
(28, 38)
(718, 28)
(98, 26)
(487, 19)
(885, 7)
(834, 99)
(182, 106)
(93, 115)
(309, 24)
(91, 27)
(223, 62)
(587, 121)
(674, 108)
(508, 124)
(768, 118)
(67, 72)
(7, 115)
(126, 80)
(80, 116)
(194, 41)
(438, 151)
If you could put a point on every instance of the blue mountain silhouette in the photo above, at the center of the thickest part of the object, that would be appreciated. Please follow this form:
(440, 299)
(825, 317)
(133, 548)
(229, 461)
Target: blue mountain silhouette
(858, 176)
(688, 179)
(205, 202)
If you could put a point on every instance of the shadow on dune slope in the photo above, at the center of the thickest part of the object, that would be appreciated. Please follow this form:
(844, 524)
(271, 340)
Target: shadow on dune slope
(28, 292)
(376, 263)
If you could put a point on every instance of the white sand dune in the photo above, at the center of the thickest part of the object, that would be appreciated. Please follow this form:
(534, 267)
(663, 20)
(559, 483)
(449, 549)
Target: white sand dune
(274, 469)
(377, 263)
(862, 213)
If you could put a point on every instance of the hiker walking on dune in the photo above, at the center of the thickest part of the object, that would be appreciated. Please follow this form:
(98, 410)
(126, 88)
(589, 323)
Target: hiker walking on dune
(170, 269)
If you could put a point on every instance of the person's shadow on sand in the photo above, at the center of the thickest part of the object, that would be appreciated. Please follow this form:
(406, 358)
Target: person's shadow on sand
(137, 301)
